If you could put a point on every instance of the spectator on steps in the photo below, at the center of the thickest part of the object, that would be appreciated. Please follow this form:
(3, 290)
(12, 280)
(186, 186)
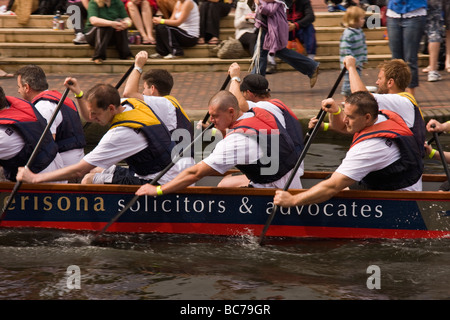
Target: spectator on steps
(211, 11)
(181, 30)
(434, 31)
(79, 21)
(405, 25)
(107, 24)
(244, 24)
(141, 13)
(166, 7)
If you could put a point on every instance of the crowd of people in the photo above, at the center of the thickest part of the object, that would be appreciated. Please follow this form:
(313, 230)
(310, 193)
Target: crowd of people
(260, 135)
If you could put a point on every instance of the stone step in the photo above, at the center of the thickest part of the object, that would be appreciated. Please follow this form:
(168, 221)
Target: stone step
(85, 65)
(334, 33)
(39, 35)
(327, 48)
(46, 21)
(57, 50)
(53, 50)
(323, 19)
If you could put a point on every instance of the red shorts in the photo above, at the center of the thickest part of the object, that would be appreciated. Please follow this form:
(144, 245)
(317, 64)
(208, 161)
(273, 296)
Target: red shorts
(152, 4)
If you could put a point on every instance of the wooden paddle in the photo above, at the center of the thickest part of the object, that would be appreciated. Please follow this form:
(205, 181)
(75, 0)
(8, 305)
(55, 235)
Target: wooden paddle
(333, 89)
(308, 139)
(224, 86)
(126, 74)
(153, 182)
(35, 151)
(441, 153)
(432, 139)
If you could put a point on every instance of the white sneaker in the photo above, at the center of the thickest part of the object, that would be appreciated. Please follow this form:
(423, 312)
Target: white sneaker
(79, 38)
(155, 55)
(171, 56)
(434, 76)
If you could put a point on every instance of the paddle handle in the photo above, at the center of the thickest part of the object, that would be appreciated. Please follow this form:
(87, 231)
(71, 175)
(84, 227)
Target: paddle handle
(224, 86)
(126, 74)
(432, 139)
(441, 154)
(330, 95)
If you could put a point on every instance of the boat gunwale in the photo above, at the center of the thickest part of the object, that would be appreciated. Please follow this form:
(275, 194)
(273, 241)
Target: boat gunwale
(360, 194)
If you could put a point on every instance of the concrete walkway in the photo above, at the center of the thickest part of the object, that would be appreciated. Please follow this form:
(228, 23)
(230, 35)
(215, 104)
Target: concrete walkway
(194, 90)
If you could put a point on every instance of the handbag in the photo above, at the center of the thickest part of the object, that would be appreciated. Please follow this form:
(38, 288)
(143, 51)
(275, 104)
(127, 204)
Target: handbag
(296, 45)
(230, 49)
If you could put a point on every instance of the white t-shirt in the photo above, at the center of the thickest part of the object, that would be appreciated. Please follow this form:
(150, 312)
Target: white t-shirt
(120, 143)
(240, 149)
(371, 155)
(12, 142)
(46, 109)
(192, 23)
(164, 109)
(398, 104)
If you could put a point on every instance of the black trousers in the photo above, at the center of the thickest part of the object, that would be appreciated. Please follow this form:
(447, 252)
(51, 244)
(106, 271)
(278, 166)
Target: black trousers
(210, 15)
(102, 37)
(172, 40)
(248, 41)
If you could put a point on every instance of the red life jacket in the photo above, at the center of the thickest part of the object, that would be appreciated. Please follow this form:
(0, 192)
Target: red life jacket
(23, 117)
(264, 125)
(293, 126)
(402, 173)
(69, 134)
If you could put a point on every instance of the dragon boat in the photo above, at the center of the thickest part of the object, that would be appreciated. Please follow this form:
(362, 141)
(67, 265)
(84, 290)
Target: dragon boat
(209, 210)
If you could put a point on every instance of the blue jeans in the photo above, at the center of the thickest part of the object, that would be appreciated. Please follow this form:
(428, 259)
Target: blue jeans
(404, 41)
(296, 60)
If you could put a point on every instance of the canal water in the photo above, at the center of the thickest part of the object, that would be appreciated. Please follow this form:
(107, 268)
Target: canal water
(57, 265)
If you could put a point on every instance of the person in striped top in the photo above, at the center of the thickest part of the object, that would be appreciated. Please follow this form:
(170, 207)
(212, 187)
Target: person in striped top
(353, 43)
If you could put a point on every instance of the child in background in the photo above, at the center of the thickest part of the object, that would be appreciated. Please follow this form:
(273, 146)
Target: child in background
(353, 43)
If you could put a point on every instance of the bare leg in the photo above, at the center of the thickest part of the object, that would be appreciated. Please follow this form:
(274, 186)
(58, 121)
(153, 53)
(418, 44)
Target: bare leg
(234, 181)
(139, 22)
(447, 50)
(433, 48)
(147, 19)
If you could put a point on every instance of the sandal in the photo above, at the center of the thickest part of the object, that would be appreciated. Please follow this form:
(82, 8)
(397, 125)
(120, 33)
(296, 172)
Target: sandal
(201, 41)
(4, 74)
(149, 42)
(214, 41)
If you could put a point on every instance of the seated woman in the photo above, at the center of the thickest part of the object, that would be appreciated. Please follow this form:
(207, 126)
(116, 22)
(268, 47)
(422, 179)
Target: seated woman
(141, 13)
(211, 11)
(244, 25)
(107, 24)
(180, 30)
